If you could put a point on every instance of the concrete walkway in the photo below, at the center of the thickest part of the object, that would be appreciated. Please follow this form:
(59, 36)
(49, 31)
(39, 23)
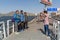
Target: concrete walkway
(33, 33)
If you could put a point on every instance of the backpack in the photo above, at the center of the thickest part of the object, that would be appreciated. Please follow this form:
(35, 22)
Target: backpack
(13, 20)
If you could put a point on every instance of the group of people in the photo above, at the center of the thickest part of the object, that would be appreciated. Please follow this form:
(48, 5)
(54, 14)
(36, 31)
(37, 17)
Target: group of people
(20, 20)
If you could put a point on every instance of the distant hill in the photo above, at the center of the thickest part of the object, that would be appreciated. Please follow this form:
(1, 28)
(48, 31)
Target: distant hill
(11, 13)
(2, 14)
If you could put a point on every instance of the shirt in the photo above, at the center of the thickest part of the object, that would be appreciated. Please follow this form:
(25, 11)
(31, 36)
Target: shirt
(16, 17)
(46, 19)
(22, 17)
(26, 18)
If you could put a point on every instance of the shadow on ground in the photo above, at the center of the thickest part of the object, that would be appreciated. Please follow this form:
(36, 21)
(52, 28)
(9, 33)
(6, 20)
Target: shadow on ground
(41, 31)
(52, 35)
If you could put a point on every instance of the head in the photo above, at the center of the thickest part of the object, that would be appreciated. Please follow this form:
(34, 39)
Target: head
(45, 12)
(25, 13)
(21, 11)
(40, 12)
(17, 12)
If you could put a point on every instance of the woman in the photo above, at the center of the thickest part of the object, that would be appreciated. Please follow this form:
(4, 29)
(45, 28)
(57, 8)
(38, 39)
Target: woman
(16, 20)
(46, 23)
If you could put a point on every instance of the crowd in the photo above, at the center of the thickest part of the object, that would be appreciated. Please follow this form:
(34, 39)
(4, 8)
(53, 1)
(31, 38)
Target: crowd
(20, 20)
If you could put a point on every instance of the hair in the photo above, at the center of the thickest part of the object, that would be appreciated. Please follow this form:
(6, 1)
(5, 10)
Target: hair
(40, 12)
(17, 10)
(45, 11)
(21, 11)
(25, 12)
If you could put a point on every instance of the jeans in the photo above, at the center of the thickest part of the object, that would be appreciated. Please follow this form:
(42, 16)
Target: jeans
(26, 25)
(22, 25)
(16, 26)
(46, 28)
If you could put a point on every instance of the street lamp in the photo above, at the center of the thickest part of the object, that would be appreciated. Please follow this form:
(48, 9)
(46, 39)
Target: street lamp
(36, 15)
(46, 3)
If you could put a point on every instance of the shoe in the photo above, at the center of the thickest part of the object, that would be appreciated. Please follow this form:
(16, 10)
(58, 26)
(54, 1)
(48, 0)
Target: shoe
(22, 30)
(27, 27)
(48, 37)
(16, 33)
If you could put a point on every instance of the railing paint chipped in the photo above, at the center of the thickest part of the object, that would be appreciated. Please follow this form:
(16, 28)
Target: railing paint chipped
(4, 31)
(56, 25)
(8, 27)
(56, 28)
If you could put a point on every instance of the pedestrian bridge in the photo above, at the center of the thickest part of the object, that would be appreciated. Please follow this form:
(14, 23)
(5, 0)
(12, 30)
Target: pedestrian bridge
(34, 32)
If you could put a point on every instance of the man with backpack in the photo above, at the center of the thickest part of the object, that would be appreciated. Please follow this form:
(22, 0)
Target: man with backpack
(16, 19)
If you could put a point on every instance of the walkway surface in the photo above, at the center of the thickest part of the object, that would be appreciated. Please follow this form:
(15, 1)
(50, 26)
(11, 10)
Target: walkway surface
(32, 33)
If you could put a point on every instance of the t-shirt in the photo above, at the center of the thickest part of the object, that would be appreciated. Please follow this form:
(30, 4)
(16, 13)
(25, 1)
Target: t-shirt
(26, 18)
(22, 18)
(16, 17)
(46, 19)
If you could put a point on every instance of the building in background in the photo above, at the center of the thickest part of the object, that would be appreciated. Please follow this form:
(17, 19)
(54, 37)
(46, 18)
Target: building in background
(53, 14)
(58, 12)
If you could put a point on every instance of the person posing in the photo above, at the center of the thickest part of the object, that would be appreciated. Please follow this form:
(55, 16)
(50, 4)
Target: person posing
(22, 18)
(26, 20)
(46, 23)
(16, 20)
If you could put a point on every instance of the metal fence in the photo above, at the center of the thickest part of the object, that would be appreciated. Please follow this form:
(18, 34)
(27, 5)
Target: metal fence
(5, 31)
(56, 29)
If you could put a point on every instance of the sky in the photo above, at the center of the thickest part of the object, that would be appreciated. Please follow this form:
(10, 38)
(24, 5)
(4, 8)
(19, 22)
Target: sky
(32, 6)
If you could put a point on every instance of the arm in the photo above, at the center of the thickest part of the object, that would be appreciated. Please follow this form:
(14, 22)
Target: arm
(26, 18)
(15, 16)
(44, 15)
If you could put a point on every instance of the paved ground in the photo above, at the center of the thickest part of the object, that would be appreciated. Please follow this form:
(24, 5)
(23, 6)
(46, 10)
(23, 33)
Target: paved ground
(33, 33)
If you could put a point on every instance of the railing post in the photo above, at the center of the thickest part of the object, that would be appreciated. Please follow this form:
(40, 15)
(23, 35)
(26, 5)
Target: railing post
(56, 25)
(13, 27)
(7, 27)
(58, 36)
(4, 32)
(53, 25)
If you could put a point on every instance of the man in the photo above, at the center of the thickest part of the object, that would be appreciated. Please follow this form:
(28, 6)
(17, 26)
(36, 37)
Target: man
(46, 23)
(22, 18)
(26, 20)
(16, 20)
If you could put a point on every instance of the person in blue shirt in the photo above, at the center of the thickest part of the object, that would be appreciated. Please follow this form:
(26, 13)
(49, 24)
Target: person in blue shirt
(22, 19)
(16, 18)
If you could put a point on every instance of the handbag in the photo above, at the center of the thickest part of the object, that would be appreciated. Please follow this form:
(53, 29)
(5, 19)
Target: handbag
(13, 20)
